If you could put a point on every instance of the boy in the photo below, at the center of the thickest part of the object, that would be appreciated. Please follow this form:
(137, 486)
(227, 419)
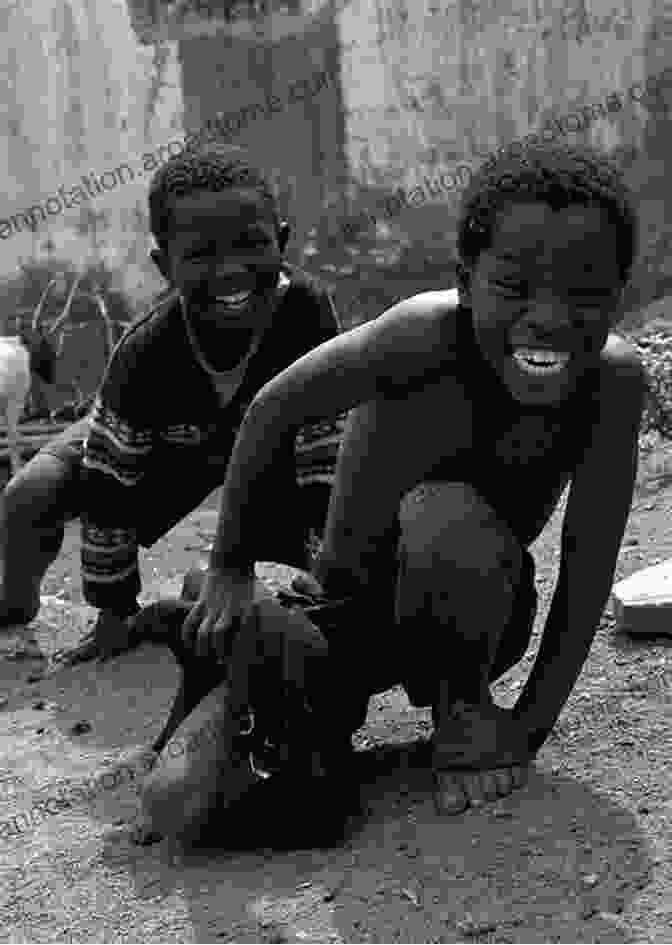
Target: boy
(158, 440)
(474, 409)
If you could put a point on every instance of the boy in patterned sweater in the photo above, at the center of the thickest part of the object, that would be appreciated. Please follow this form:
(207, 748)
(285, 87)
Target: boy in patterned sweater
(158, 440)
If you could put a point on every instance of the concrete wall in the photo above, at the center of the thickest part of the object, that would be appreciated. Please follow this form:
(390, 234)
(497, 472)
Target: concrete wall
(368, 96)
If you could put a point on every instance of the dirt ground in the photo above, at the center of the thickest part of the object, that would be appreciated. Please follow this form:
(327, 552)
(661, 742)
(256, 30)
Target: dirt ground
(582, 854)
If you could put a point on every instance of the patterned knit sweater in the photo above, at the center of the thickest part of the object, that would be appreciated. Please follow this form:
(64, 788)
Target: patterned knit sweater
(158, 419)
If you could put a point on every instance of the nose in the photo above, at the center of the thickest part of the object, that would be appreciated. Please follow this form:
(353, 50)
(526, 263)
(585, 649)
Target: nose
(547, 321)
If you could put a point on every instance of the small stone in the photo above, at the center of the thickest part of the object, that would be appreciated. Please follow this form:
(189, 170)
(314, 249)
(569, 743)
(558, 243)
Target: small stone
(35, 677)
(590, 880)
(589, 910)
(643, 601)
(472, 927)
(81, 728)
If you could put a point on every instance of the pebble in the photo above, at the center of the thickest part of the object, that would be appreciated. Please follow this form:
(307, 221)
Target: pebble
(472, 927)
(590, 880)
(80, 728)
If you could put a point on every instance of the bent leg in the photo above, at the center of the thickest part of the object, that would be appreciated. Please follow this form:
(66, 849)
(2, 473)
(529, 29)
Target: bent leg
(197, 776)
(460, 569)
(37, 503)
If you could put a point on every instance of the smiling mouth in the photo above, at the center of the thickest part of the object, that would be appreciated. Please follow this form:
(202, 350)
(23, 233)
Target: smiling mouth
(235, 301)
(540, 362)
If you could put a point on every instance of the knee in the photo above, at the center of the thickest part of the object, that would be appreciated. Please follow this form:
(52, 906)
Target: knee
(28, 504)
(448, 526)
(176, 797)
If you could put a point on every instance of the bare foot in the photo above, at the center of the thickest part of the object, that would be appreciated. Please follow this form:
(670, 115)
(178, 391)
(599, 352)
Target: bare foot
(456, 790)
(480, 754)
(110, 637)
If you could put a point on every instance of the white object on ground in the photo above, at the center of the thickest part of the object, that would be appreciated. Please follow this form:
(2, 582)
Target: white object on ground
(14, 387)
(643, 601)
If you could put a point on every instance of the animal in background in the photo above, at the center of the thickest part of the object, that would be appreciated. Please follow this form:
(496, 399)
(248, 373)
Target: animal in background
(22, 356)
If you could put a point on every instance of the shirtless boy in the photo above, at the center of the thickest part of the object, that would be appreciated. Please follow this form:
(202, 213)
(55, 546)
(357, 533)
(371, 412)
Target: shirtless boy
(474, 409)
(160, 435)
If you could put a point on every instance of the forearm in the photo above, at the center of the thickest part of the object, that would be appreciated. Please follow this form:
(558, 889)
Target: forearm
(587, 568)
(565, 645)
(356, 367)
(244, 493)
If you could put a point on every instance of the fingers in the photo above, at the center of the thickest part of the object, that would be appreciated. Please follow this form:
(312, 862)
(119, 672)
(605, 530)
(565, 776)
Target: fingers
(473, 788)
(449, 796)
(519, 775)
(487, 787)
(503, 780)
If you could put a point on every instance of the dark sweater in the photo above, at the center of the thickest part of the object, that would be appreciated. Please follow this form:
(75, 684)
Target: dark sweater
(156, 411)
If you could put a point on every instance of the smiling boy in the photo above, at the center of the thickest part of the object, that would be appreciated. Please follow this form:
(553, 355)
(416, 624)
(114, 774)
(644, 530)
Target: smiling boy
(475, 408)
(160, 435)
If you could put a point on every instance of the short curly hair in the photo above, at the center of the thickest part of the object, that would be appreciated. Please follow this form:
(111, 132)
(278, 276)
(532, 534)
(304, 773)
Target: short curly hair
(214, 166)
(557, 173)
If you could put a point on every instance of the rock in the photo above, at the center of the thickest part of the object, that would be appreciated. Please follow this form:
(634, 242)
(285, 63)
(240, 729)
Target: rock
(643, 601)
(472, 927)
(80, 728)
(590, 880)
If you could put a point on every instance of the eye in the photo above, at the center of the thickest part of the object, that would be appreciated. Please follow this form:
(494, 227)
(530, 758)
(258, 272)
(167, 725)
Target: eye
(199, 254)
(252, 241)
(511, 287)
(589, 298)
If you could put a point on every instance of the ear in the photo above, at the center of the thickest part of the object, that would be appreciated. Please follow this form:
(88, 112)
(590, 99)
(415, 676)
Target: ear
(284, 229)
(160, 259)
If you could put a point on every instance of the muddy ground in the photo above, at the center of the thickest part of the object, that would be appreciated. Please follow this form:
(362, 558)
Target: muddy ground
(582, 854)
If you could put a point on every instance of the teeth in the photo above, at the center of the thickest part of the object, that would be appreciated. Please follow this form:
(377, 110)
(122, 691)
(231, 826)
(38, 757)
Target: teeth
(236, 298)
(540, 361)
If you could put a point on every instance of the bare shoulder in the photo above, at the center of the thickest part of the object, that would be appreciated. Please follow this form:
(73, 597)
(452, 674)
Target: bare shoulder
(621, 364)
(429, 317)
(622, 378)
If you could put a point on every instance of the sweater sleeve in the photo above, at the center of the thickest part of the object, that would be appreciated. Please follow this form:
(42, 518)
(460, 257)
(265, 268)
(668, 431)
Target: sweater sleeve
(116, 452)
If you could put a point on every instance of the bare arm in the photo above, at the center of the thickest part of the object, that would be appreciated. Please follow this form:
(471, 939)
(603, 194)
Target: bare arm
(595, 520)
(409, 342)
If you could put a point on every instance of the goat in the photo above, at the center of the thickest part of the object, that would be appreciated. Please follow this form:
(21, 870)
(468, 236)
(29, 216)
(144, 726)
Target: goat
(22, 356)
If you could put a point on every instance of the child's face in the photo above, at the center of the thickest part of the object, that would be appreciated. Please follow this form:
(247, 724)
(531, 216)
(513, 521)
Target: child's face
(224, 257)
(544, 297)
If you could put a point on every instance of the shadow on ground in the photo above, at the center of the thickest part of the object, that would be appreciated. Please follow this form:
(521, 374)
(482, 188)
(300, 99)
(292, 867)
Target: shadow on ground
(555, 862)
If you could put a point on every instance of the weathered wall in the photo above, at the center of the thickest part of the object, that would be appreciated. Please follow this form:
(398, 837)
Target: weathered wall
(283, 101)
(80, 95)
(378, 95)
(429, 83)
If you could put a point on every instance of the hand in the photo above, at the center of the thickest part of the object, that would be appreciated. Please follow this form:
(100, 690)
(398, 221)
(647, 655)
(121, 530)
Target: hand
(481, 752)
(224, 604)
(112, 635)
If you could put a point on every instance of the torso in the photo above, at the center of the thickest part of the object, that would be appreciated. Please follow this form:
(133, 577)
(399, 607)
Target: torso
(462, 427)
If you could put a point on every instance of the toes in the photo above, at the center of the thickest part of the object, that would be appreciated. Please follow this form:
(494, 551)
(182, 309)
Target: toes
(489, 785)
(473, 788)
(519, 774)
(450, 797)
(503, 781)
